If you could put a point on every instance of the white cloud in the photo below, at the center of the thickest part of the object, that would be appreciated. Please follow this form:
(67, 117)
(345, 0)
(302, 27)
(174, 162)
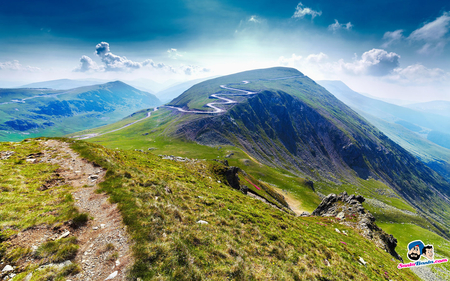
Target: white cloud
(392, 37)
(101, 49)
(376, 62)
(301, 12)
(193, 69)
(255, 19)
(114, 62)
(174, 54)
(87, 65)
(292, 61)
(16, 66)
(432, 34)
(316, 58)
(338, 26)
(417, 73)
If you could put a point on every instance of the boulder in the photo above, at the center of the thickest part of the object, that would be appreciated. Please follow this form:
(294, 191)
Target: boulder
(350, 212)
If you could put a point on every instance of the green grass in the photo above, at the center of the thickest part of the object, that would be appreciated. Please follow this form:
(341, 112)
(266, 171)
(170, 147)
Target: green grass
(406, 233)
(244, 239)
(59, 250)
(23, 205)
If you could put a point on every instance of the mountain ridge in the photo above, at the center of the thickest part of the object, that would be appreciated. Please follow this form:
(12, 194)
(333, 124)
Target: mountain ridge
(40, 112)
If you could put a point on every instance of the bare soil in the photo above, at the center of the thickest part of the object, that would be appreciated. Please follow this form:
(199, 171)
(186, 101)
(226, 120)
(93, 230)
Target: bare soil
(104, 244)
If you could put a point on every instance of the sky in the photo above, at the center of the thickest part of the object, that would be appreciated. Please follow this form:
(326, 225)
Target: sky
(387, 49)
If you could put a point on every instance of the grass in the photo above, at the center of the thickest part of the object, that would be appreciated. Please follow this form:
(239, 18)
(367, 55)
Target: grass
(406, 233)
(59, 250)
(21, 180)
(244, 239)
(23, 205)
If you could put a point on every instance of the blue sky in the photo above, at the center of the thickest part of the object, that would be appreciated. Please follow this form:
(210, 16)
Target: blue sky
(395, 49)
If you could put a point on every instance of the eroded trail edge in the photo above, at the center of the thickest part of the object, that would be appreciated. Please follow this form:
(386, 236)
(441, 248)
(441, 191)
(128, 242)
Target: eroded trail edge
(105, 248)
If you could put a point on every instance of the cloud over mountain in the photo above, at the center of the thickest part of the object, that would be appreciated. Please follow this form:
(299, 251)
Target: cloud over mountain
(418, 73)
(87, 65)
(112, 62)
(376, 62)
(16, 66)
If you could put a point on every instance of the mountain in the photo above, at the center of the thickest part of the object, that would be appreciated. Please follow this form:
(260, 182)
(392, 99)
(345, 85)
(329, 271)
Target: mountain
(44, 112)
(296, 135)
(64, 84)
(386, 111)
(295, 124)
(418, 132)
(440, 107)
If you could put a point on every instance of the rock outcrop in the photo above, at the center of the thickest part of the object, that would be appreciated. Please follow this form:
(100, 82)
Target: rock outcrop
(349, 210)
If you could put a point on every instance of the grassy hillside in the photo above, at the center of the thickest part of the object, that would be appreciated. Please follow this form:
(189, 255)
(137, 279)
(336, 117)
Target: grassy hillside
(433, 155)
(162, 201)
(31, 112)
(24, 205)
(244, 239)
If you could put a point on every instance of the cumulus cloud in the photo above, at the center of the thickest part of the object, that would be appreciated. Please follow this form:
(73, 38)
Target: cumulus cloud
(417, 73)
(392, 37)
(102, 49)
(301, 11)
(87, 65)
(316, 58)
(432, 34)
(16, 66)
(193, 69)
(112, 62)
(376, 62)
(292, 61)
(299, 61)
(174, 54)
(338, 26)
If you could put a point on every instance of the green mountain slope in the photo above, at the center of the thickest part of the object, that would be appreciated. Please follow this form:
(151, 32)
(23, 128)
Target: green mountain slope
(32, 112)
(412, 119)
(161, 202)
(428, 145)
(294, 125)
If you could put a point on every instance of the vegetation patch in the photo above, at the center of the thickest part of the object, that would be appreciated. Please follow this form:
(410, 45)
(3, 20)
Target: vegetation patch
(188, 225)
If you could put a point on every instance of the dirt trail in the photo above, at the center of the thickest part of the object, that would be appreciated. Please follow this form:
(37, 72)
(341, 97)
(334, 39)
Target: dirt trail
(294, 204)
(104, 243)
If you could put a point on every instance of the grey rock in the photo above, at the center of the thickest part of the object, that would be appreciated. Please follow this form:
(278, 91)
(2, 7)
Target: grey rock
(7, 268)
(112, 275)
(305, 214)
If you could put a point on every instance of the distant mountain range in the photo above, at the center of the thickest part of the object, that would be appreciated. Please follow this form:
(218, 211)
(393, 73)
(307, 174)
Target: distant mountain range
(64, 84)
(421, 132)
(50, 112)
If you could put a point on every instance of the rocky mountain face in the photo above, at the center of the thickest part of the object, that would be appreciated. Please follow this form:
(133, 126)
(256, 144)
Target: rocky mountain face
(350, 212)
(308, 131)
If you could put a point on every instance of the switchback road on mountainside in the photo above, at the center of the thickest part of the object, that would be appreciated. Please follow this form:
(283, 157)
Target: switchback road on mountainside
(226, 100)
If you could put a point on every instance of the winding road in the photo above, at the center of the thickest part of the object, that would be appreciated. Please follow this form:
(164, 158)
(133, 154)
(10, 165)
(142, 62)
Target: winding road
(226, 100)
(210, 105)
(88, 136)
